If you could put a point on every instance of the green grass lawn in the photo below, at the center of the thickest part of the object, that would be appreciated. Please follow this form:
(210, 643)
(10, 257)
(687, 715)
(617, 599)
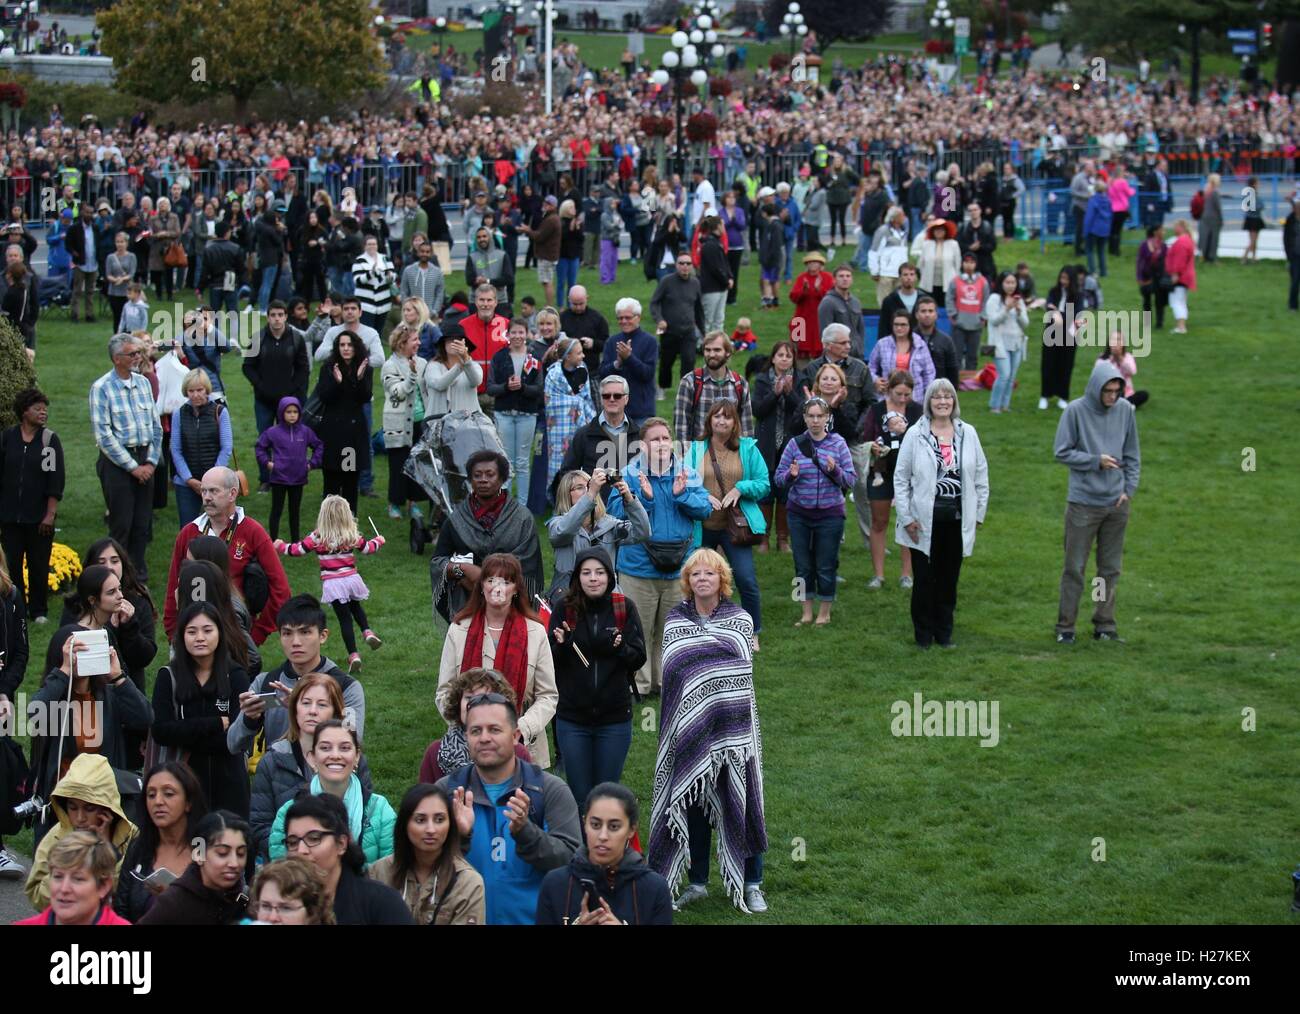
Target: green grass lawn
(1139, 744)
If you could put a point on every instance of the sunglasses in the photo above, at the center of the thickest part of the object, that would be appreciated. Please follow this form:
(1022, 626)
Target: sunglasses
(478, 699)
(612, 396)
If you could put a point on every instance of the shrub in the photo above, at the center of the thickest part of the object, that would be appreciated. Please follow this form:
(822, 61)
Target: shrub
(16, 372)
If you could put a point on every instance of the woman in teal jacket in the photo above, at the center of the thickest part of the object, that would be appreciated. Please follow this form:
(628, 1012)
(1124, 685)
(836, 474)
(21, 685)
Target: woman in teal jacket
(735, 477)
(334, 757)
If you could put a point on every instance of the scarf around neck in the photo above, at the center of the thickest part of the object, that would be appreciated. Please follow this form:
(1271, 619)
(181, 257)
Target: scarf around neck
(487, 514)
(511, 659)
(351, 799)
(453, 751)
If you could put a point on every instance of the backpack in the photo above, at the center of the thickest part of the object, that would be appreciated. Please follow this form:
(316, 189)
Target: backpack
(1198, 204)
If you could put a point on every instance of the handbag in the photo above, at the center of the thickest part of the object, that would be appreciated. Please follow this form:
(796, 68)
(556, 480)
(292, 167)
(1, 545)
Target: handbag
(313, 413)
(239, 472)
(667, 555)
(738, 530)
(1166, 283)
(174, 256)
(154, 752)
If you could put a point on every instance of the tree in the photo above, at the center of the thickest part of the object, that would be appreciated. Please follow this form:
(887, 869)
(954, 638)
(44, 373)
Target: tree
(196, 50)
(16, 373)
(834, 20)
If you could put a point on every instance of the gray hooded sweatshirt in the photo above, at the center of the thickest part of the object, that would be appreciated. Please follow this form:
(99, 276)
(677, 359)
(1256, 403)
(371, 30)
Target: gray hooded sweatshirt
(1088, 429)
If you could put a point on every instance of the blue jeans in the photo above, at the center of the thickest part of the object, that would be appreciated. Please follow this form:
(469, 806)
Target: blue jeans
(265, 416)
(592, 754)
(566, 277)
(517, 430)
(816, 548)
(787, 272)
(366, 480)
(269, 277)
(1096, 248)
(189, 505)
(700, 840)
(860, 255)
(915, 222)
(741, 559)
(1007, 366)
(224, 299)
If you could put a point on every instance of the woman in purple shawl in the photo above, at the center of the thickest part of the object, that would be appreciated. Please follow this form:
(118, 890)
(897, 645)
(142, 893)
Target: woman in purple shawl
(709, 770)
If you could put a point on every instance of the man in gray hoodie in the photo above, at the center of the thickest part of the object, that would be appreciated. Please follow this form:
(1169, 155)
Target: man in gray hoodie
(1097, 440)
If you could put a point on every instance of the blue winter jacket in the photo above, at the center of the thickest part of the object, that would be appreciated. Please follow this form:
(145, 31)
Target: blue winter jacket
(671, 517)
(1097, 216)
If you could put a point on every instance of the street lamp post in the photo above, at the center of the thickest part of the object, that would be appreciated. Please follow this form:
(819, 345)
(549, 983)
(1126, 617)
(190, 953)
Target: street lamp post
(545, 15)
(793, 26)
(942, 18)
(677, 61)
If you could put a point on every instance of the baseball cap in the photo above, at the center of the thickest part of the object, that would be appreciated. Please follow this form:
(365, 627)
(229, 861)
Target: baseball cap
(551, 201)
(765, 192)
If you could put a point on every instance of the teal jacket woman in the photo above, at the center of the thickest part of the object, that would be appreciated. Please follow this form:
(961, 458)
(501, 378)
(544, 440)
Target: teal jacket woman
(370, 817)
(754, 484)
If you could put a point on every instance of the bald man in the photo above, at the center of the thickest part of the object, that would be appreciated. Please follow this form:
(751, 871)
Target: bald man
(246, 540)
(580, 321)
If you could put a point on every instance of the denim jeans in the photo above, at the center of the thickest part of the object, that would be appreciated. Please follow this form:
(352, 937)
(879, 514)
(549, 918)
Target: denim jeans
(517, 430)
(566, 276)
(189, 505)
(265, 417)
(224, 299)
(787, 271)
(270, 276)
(592, 754)
(1007, 366)
(915, 222)
(860, 254)
(816, 548)
(700, 840)
(741, 559)
(1097, 251)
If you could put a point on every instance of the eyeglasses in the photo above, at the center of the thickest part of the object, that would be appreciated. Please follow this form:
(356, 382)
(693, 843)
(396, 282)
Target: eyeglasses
(612, 395)
(312, 838)
(270, 908)
(493, 698)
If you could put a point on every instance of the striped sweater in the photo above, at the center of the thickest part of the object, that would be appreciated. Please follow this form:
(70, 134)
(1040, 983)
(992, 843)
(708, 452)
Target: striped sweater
(333, 565)
(373, 283)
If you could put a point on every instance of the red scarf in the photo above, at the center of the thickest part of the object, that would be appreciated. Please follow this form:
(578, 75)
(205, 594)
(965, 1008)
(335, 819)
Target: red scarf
(512, 651)
(486, 514)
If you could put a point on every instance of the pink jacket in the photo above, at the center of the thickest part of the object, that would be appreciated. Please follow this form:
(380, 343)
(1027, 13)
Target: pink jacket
(1180, 261)
(106, 917)
(1120, 193)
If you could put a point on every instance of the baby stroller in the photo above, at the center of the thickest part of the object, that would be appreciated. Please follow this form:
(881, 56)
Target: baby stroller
(437, 464)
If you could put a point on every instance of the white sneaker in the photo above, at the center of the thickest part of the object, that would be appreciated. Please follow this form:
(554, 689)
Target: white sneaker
(693, 892)
(1061, 404)
(876, 582)
(9, 869)
(1042, 404)
(905, 582)
(754, 900)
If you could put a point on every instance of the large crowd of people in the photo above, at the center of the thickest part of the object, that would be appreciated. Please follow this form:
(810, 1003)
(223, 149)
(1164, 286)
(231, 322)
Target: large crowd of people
(338, 233)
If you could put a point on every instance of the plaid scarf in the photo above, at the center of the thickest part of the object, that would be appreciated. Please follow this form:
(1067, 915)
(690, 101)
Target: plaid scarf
(512, 651)
(486, 514)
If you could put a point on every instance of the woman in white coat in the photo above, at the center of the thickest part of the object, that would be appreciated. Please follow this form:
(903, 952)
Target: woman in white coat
(498, 629)
(941, 492)
(938, 257)
(402, 376)
(1008, 321)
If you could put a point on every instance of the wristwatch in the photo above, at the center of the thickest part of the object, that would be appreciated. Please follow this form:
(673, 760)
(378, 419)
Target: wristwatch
(457, 573)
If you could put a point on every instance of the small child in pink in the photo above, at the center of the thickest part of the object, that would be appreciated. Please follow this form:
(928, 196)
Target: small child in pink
(336, 541)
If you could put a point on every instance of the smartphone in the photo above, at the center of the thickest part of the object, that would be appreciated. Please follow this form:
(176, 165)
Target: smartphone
(593, 896)
(272, 699)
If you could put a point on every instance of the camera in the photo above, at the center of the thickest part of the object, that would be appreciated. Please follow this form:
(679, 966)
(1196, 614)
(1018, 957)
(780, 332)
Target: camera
(29, 809)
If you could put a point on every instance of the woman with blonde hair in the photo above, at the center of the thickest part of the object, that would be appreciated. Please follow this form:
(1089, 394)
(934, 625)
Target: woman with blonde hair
(201, 439)
(709, 767)
(566, 270)
(1180, 266)
(566, 394)
(828, 382)
(82, 871)
(580, 521)
(403, 377)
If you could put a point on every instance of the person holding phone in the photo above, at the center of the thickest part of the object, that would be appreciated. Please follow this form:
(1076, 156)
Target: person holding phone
(816, 469)
(885, 424)
(211, 890)
(172, 807)
(1008, 320)
(581, 522)
(607, 882)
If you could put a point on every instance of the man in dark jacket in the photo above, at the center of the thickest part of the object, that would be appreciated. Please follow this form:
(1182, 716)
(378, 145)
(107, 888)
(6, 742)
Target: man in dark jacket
(279, 369)
(978, 237)
(678, 310)
(223, 270)
(589, 326)
(603, 442)
(715, 274)
(546, 242)
(82, 248)
(1291, 245)
(29, 499)
(943, 350)
(631, 354)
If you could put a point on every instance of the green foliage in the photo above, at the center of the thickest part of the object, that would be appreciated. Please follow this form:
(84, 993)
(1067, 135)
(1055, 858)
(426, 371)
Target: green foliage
(16, 373)
(106, 104)
(237, 47)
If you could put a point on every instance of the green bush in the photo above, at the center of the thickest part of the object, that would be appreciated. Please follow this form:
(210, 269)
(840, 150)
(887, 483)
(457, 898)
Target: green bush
(76, 100)
(16, 372)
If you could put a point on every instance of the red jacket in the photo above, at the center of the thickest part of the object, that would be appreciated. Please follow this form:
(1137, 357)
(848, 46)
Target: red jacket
(247, 540)
(1180, 260)
(106, 917)
(806, 294)
(488, 338)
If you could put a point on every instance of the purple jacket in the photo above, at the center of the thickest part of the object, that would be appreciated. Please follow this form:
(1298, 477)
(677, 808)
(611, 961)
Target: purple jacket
(884, 360)
(287, 446)
(1150, 266)
(812, 490)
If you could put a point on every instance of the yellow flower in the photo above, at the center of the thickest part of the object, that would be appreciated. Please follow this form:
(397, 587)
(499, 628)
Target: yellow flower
(65, 567)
